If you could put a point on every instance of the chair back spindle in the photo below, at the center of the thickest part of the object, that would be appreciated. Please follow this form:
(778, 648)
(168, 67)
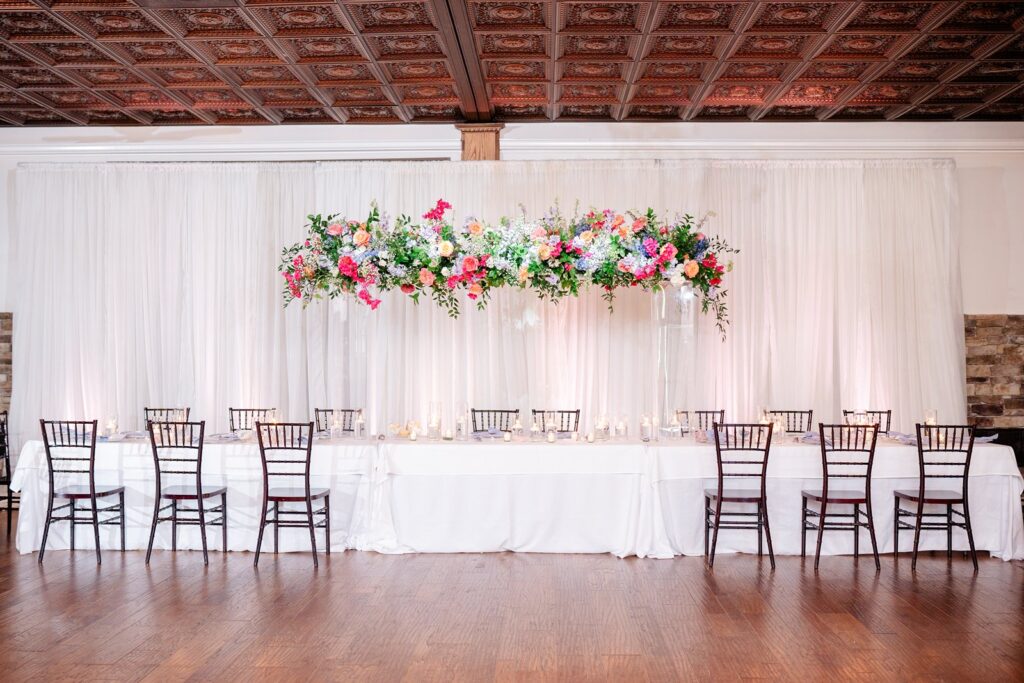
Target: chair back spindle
(246, 418)
(742, 452)
(565, 421)
(796, 421)
(484, 420)
(325, 418)
(286, 450)
(847, 452)
(177, 449)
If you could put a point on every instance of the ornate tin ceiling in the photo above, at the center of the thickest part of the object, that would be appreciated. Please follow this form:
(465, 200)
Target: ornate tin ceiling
(160, 62)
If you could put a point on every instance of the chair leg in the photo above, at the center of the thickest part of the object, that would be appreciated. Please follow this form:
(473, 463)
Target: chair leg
(871, 534)
(821, 533)
(312, 532)
(856, 531)
(259, 538)
(327, 524)
(949, 531)
(202, 526)
(896, 528)
(768, 532)
(714, 535)
(123, 534)
(10, 507)
(71, 513)
(224, 521)
(152, 527)
(970, 535)
(760, 532)
(96, 529)
(917, 532)
(803, 527)
(277, 517)
(46, 528)
(174, 526)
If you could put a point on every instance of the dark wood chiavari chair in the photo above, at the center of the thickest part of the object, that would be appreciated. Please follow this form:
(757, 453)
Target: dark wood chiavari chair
(325, 418)
(246, 418)
(65, 436)
(10, 501)
(742, 453)
(483, 420)
(943, 452)
(166, 414)
(882, 418)
(566, 421)
(797, 421)
(706, 419)
(178, 452)
(847, 452)
(286, 451)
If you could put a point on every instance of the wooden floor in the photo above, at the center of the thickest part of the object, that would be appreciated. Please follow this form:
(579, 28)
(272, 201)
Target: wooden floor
(364, 616)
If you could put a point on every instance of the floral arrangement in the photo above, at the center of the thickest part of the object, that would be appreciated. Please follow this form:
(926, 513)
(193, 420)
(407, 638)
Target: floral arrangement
(555, 256)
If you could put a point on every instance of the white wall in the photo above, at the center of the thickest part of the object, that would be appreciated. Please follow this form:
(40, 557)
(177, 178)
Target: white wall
(989, 157)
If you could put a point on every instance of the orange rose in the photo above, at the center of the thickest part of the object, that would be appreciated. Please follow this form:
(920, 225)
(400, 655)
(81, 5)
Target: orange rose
(690, 269)
(475, 228)
(361, 238)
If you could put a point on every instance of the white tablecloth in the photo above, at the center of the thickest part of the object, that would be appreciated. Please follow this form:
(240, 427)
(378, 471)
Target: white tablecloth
(624, 498)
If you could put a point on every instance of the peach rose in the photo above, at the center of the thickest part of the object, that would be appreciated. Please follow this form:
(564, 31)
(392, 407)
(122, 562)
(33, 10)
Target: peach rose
(624, 231)
(335, 229)
(586, 237)
(446, 248)
(361, 238)
(691, 268)
(639, 224)
(544, 251)
(539, 233)
(475, 228)
(524, 273)
(426, 277)
(475, 289)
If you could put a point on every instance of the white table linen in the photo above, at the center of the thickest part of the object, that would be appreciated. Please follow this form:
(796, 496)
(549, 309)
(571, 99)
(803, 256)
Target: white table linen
(623, 498)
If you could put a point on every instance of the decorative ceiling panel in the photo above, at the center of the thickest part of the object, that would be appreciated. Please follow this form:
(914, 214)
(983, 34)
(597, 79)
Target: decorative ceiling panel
(243, 62)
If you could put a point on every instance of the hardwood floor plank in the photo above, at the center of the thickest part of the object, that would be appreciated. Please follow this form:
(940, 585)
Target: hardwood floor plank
(505, 617)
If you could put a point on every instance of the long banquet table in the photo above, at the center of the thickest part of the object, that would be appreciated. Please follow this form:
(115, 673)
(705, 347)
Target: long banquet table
(619, 497)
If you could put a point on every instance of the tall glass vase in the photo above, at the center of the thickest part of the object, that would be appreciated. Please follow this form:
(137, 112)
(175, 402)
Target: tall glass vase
(674, 317)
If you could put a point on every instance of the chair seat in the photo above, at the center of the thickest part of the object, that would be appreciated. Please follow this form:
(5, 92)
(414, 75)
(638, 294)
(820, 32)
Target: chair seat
(78, 492)
(937, 497)
(295, 494)
(847, 497)
(186, 492)
(735, 495)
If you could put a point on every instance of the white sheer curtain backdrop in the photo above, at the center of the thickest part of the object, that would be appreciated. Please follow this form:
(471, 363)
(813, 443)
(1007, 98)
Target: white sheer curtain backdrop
(146, 284)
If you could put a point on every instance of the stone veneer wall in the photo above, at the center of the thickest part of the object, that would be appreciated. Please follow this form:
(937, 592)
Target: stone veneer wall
(6, 332)
(995, 370)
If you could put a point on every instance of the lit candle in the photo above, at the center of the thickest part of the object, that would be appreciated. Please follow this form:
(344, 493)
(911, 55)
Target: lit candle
(575, 436)
(507, 436)
(412, 435)
(551, 437)
(590, 437)
(447, 435)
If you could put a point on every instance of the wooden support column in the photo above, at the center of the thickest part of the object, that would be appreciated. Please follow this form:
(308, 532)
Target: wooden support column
(481, 141)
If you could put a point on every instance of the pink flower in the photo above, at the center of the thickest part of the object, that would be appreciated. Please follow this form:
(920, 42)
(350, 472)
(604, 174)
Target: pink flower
(437, 213)
(699, 237)
(650, 246)
(335, 229)
(668, 252)
(348, 267)
(470, 263)
(364, 294)
(639, 224)
(475, 290)
(426, 277)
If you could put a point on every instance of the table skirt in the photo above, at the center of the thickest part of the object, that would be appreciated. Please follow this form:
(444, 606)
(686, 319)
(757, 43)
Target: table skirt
(621, 498)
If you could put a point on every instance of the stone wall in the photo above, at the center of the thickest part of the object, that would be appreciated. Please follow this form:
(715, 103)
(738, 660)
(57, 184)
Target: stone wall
(995, 370)
(6, 331)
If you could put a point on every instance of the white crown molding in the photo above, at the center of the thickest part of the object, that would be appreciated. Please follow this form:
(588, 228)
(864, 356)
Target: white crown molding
(519, 142)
